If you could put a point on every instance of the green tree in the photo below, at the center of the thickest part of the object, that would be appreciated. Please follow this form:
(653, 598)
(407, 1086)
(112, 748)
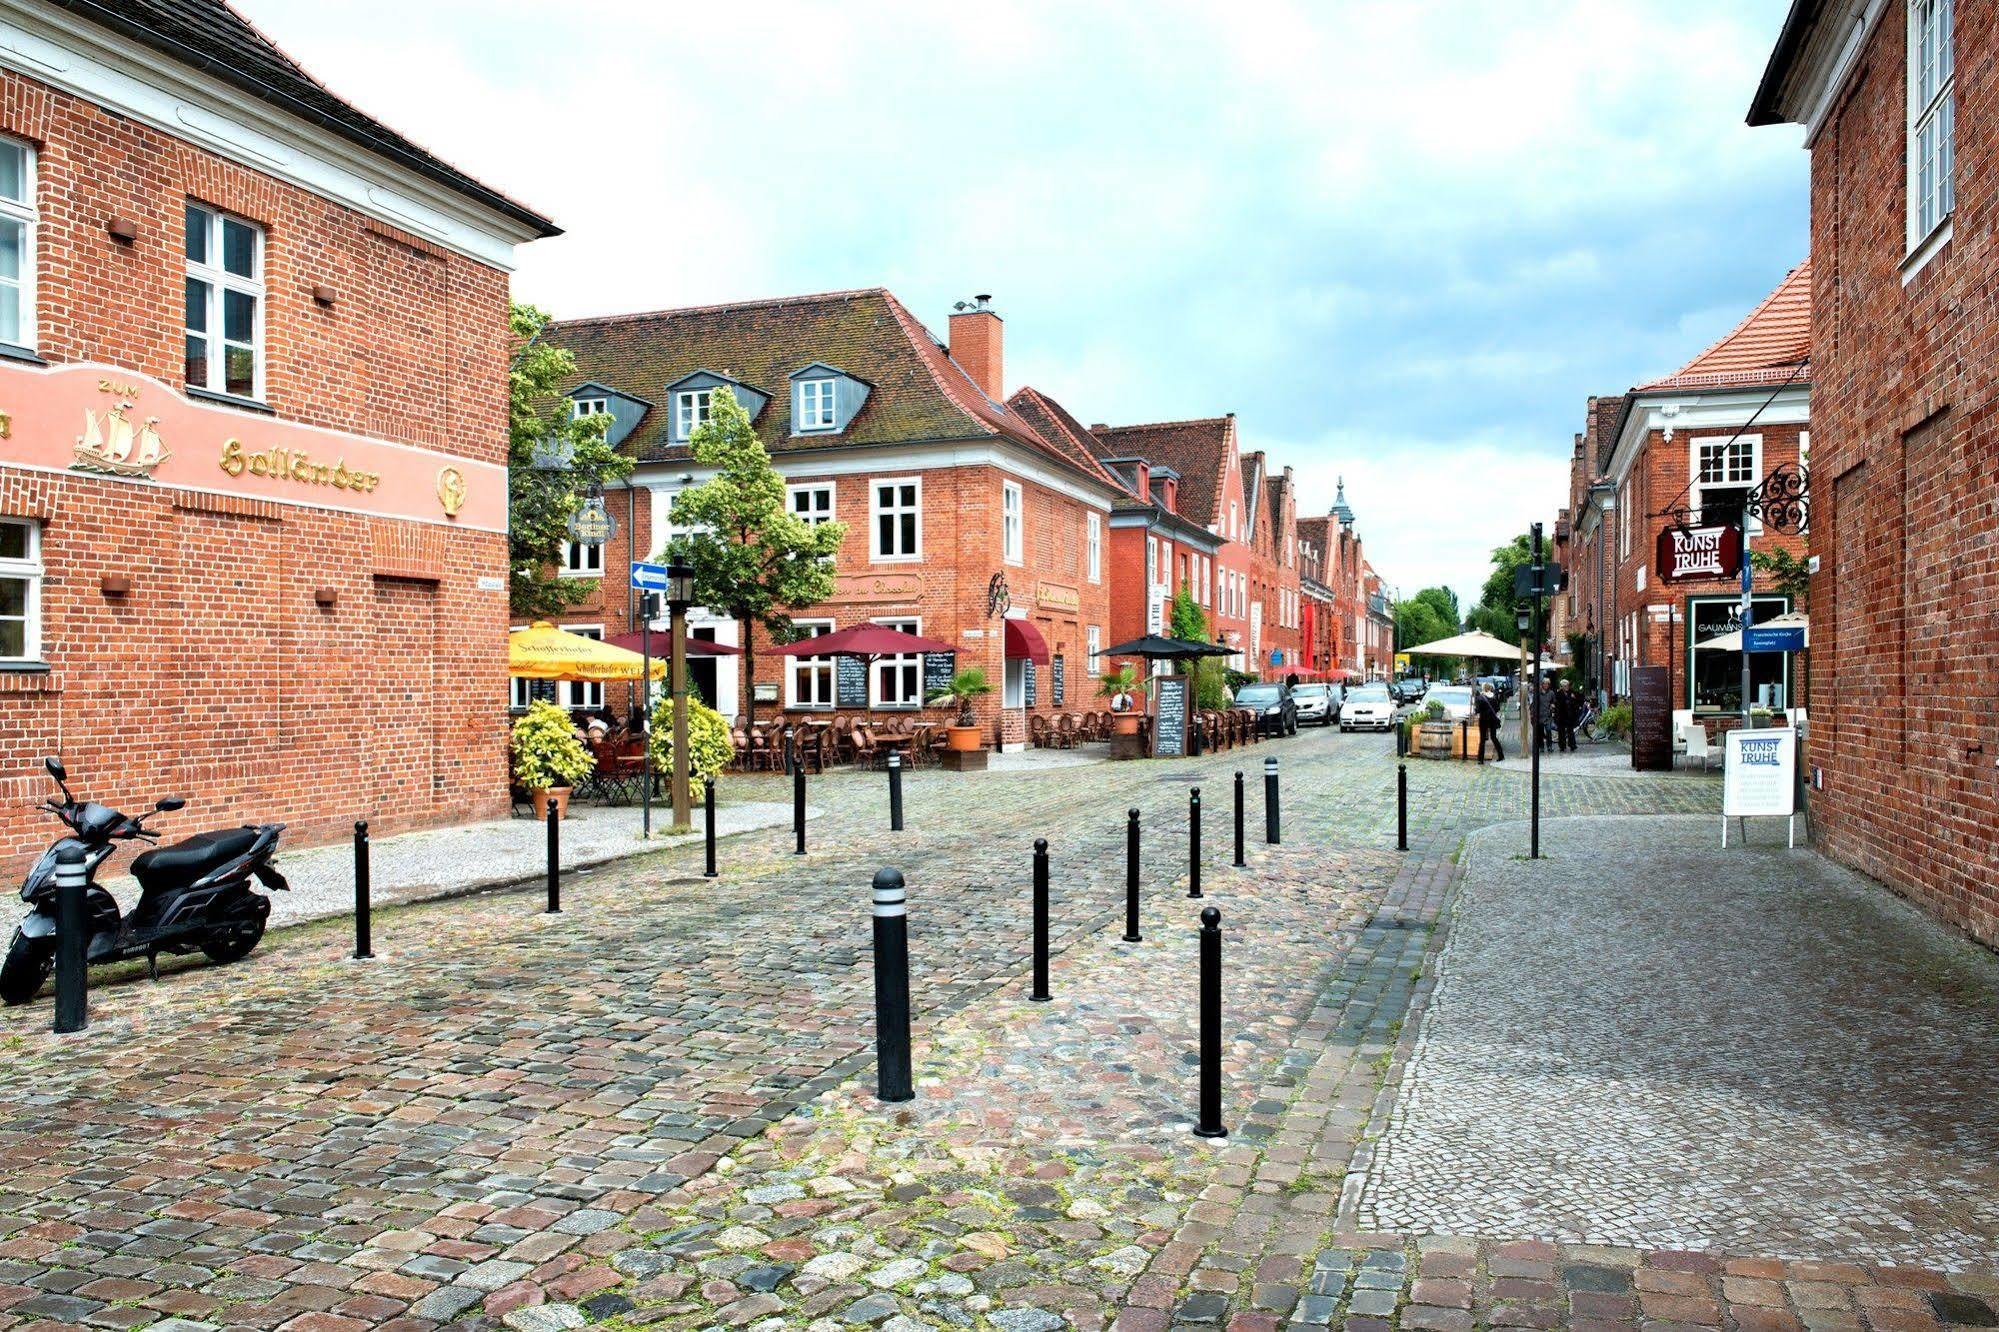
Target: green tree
(1185, 618)
(753, 559)
(1494, 612)
(1789, 573)
(1424, 618)
(539, 503)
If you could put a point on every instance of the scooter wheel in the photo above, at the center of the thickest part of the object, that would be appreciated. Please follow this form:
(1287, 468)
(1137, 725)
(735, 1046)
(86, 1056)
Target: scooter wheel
(232, 942)
(25, 969)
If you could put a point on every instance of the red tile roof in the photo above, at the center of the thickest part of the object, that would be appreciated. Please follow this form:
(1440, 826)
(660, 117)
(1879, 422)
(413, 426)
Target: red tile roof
(1197, 450)
(1765, 348)
(1053, 423)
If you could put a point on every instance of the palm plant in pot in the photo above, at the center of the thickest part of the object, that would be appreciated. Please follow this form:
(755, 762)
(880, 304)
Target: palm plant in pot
(1121, 682)
(965, 686)
(549, 759)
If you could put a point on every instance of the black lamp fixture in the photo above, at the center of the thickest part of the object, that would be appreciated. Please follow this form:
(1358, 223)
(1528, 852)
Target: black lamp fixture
(1523, 618)
(679, 586)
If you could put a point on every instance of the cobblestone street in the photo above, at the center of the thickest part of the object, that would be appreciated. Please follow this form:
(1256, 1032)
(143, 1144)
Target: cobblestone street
(657, 1108)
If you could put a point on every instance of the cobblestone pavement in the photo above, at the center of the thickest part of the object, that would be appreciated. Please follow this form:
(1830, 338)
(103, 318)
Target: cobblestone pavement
(656, 1109)
(1597, 1063)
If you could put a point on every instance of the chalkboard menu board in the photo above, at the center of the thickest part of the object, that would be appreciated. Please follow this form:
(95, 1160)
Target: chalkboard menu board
(938, 668)
(1031, 684)
(1651, 719)
(541, 691)
(1057, 684)
(1169, 723)
(850, 682)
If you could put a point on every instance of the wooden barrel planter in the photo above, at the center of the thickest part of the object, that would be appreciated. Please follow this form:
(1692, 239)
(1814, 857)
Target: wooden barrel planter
(1437, 739)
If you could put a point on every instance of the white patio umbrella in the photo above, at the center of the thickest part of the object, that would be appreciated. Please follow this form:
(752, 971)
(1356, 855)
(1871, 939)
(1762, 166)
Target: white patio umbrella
(1478, 643)
(1732, 641)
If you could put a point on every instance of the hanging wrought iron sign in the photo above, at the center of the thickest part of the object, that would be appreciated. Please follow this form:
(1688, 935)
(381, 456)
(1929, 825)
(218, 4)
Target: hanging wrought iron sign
(592, 523)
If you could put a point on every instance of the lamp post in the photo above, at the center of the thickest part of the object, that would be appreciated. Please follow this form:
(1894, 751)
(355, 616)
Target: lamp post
(679, 596)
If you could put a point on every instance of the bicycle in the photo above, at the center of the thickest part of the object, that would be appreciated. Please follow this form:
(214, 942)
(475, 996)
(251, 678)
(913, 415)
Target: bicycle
(1586, 726)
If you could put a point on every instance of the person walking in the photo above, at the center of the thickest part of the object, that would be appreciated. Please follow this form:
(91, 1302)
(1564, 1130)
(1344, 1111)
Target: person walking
(1544, 716)
(1488, 723)
(1568, 714)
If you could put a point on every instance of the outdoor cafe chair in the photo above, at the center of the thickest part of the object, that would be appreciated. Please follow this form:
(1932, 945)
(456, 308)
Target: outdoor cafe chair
(1065, 732)
(865, 747)
(1037, 731)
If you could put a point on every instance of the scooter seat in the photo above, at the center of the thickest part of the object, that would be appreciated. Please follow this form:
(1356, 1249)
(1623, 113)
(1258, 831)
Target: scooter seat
(182, 863)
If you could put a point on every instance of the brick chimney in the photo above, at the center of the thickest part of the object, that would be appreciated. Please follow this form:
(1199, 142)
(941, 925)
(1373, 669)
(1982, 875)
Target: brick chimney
(978, 345)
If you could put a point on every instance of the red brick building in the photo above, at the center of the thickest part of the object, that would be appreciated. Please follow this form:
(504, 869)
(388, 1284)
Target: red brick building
(1274, 566)
(253, 368)
(1333, 579)
(944, 488)
(1899, 107)
(1686, 449)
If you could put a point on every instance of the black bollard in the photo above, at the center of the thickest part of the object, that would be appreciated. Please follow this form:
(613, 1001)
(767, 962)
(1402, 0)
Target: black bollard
(1270, 801)
(797, 791)
(895, 792)
(364, 925)
(708, 832)
(1239, 861)
(1131, 878)
(554, 861)
(1040, 994)
(892, 1066)
(1402, 807)
(1194, 842)
(72, 942)
(1210, 1125)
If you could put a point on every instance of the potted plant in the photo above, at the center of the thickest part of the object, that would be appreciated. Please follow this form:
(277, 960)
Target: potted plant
(549, 759)
(966, 685)
(1123, 680)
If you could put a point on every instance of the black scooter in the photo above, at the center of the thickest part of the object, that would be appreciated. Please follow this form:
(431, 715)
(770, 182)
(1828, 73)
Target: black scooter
(192, 895)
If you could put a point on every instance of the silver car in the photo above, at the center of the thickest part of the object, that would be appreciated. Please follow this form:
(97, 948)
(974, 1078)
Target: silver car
(1315, 703)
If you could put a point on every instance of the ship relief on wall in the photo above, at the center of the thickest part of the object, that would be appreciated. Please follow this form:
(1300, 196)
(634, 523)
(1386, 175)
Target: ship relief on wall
(113, 445)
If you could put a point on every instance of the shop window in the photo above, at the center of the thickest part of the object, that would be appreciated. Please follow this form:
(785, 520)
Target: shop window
(809, 680)
(17, 243)
(898, 526)
(1714, 675)
(225, 303)
(897, 682)
(20, 590)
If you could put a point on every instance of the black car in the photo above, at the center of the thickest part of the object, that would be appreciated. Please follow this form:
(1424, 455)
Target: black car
(1276, 711)
(1407, 689)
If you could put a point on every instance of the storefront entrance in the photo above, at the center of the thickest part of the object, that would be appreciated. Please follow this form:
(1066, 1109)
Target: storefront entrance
(1714, 675)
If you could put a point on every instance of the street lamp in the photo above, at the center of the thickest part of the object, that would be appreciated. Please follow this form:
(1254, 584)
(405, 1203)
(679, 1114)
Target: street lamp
(679, 596)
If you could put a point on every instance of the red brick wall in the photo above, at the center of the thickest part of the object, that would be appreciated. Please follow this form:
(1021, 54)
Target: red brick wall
(1905, 606)
(218, 676)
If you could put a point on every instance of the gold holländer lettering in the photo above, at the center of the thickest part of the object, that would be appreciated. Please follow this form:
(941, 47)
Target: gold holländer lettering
(294, 465)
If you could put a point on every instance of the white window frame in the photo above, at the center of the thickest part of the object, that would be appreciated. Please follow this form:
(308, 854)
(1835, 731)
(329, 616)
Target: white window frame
(582, 407)
(876, 512)
(815, 409)
(581, 559)
(1013, 522)
(1093, 545)
(28, 569)
(220, 280)
(1697, 489)
(24, 211)
(910, 663)
(1624, 519)
(582, 695)
(1931, 171)
(795, 667)
(692, 408)
(1093, 642)
(816, 515)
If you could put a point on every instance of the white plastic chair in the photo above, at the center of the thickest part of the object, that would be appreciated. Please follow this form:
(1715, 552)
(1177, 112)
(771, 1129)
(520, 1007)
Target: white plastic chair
(1694, 743)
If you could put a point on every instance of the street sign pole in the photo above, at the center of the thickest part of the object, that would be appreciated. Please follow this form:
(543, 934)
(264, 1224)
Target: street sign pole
(645, 702)
(1534, 730)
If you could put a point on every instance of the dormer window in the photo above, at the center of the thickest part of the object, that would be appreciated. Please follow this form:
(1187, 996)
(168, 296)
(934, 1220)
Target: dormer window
(589, 406)
(815, 404)
(690, 409)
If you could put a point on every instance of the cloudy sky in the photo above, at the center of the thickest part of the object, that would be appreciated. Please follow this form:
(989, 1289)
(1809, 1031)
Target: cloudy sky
(1401, 239)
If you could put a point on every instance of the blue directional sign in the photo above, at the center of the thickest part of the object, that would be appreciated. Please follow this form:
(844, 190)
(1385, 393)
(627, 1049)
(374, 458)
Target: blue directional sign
(1774, 638)
(650, 577)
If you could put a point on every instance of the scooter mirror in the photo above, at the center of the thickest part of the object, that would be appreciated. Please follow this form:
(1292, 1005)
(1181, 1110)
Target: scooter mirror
(168, 804)
(56, 769)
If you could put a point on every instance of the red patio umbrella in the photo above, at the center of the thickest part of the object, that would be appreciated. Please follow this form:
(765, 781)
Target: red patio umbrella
(662, 645)
(864, 640)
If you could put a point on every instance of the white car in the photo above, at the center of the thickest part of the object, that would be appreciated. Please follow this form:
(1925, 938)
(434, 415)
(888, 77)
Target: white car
(1368, 708)
(1457, 701)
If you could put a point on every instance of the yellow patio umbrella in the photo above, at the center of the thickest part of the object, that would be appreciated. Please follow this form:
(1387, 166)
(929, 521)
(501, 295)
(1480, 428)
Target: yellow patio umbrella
(543, 652)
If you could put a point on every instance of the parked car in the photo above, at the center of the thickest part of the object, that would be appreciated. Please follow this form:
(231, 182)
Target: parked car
(1457, 701)
(1408, 689)
(1316, 703)
(1276, 711)
(1368, 707)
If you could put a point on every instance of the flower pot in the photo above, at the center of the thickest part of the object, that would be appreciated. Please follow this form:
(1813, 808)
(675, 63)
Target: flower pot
(543, 797)
(964, 739)
(1125, 723)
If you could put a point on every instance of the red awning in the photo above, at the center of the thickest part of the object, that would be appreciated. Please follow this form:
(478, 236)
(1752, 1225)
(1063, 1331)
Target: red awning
(1024, 640)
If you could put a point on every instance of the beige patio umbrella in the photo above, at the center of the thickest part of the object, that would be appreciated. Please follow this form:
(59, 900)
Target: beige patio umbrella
(1478, 643)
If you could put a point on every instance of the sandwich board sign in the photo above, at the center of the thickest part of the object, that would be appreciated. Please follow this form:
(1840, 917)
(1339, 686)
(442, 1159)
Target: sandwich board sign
(1759, 778)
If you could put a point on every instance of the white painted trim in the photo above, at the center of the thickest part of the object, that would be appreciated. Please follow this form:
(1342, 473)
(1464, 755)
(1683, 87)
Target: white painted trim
(1919, 258)
(1018, 492)
(832, 489)
(791, 664)
(71, 53)
(1843, 68)
(1706, 410)
(1694, 442)
(875, 666)
(875, 555)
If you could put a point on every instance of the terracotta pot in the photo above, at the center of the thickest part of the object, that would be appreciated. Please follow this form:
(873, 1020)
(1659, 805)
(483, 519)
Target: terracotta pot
(964, 739)
(1125, 723)
(552, 795)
